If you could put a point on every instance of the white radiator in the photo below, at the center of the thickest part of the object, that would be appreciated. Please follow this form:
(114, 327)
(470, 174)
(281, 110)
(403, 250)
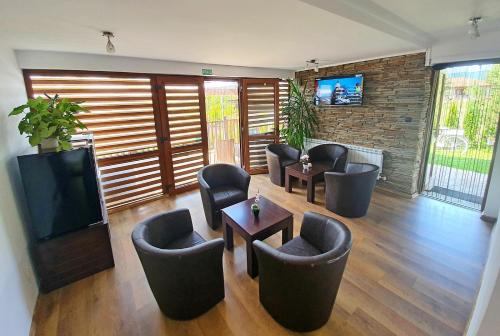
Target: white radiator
(356, 153)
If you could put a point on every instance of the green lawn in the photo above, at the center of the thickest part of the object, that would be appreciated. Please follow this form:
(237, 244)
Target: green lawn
(473, 160)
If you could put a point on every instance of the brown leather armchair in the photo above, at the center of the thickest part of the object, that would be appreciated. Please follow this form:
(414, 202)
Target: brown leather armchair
(299, 281)
(349, 193)
(183, 270)
(278, 157)
(333, 154)
(221, 185)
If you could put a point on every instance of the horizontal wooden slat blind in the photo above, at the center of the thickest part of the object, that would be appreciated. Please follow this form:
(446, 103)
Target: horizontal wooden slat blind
(261, 108)
(261, 119)
(257, 154)
(284, 93)
(121, 118)
(186, 128)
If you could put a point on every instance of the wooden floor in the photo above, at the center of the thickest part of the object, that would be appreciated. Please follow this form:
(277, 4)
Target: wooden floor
(414, 269)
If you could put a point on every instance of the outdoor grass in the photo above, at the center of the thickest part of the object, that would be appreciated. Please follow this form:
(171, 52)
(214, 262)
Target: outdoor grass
(475, 160)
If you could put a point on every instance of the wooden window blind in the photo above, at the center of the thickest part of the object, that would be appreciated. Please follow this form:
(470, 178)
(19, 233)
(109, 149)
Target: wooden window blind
(184, 109)
(260, 116)
(121, 118)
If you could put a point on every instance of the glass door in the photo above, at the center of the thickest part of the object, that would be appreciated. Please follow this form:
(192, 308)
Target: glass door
(223, 121)
(463, 134)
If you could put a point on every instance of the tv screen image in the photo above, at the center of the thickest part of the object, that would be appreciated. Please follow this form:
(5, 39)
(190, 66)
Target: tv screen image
(61, 190)
(339, 91)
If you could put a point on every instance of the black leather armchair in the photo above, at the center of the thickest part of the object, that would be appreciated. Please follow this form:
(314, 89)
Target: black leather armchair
(278, 157)
(221, 185)
(298, 282)
(348, 194)
(333, 154)
(183, 270)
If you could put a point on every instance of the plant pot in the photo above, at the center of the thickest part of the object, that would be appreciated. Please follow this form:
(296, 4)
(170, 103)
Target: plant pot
(48, 145)
(255, 211)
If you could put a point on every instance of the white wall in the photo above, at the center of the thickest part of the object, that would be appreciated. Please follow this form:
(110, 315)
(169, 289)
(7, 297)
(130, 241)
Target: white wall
(485, 319)
(18, 288)
(30, 59)
(492, 204)
(464, 48)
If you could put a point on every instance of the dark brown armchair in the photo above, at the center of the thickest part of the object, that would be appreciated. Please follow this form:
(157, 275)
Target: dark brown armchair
(183, 270)
(333, 154)
(221, 185)
(278, 157)
(348, 194)
(298, 282)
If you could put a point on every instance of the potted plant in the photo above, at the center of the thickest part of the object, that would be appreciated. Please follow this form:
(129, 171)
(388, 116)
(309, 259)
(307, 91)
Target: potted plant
(306, 164)
(49, 123)
(301, 120)
(255, 206)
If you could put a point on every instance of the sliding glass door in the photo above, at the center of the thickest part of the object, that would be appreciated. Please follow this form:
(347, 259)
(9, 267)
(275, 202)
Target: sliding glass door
(464, 134)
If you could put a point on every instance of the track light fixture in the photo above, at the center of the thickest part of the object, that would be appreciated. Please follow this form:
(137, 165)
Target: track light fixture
(474, 27)
(110, 47)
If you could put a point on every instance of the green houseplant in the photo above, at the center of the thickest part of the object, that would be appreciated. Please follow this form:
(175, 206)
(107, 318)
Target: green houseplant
(49, 120)
(301, 120)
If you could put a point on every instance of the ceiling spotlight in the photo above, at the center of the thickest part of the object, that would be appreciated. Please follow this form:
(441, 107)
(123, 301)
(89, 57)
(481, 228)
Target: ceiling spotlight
(110, 47)
(474, 27)
(313, 64)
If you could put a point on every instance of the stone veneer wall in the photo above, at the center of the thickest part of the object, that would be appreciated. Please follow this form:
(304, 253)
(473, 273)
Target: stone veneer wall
(396, 105)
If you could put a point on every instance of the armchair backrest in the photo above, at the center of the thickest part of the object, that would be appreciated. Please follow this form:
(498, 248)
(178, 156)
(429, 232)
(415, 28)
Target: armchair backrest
(326, 234)
(284, 151)
(164, 228)
(360, 168)
(334, 153)
(221, 174)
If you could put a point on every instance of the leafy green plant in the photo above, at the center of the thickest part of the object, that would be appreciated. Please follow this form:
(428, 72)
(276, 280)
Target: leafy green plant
(49, 118)
(452, 119)
(301, 120)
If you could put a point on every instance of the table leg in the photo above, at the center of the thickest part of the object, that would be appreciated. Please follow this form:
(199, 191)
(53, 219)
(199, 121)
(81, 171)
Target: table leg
(287, 233)
(288, 182)
(310, 190)
(252, 267)
(228, 236)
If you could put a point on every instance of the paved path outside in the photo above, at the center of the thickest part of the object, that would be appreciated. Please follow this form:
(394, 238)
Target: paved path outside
(458, 186)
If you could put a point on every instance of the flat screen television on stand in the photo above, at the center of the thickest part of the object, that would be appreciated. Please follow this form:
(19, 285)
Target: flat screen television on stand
(62, 191)
(339, 91)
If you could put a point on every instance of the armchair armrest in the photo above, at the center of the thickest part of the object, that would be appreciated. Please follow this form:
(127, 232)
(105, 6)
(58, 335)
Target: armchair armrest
(293, 153)
(241, 179)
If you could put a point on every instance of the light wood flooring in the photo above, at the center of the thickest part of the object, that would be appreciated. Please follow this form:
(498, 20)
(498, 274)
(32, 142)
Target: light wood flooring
(414, 269)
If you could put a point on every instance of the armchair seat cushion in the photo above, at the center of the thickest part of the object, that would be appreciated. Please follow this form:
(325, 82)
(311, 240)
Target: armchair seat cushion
(225, 196)
(287, 162)
(189, 240)
(299, 247)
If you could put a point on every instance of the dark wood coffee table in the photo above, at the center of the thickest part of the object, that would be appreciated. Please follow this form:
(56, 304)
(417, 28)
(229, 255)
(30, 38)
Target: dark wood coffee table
(272, 219)
(310, 176)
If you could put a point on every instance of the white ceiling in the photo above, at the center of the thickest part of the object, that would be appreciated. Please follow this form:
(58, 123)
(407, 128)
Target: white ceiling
(261, 33)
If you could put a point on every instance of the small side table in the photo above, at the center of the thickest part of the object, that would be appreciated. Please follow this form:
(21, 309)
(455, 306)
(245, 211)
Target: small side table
(310, 176)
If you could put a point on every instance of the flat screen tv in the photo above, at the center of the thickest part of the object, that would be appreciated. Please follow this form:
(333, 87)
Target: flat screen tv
(61, 190)
(339, 91)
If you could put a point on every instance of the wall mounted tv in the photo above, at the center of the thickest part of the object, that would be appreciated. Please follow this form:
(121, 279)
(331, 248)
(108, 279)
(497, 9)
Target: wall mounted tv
(339, 91)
